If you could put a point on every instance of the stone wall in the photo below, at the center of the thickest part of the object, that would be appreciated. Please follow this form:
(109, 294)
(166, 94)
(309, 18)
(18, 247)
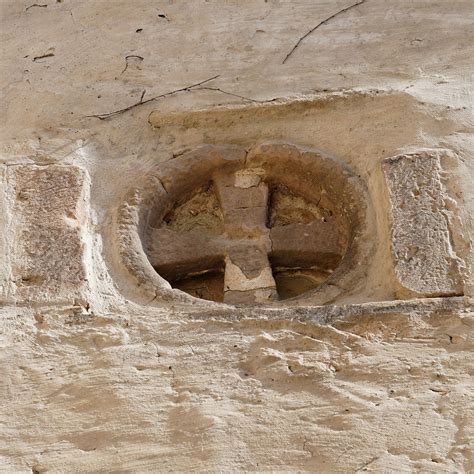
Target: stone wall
(225, 249)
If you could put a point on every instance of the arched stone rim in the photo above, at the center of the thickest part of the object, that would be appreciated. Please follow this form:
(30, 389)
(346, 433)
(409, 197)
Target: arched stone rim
(163, 187)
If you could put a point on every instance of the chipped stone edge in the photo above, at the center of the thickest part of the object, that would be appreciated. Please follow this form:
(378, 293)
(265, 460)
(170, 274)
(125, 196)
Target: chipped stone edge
(132, 216)
(8, 295)
(329, 314)
(129, 221)
(207, 116)
(458, 238)
(263, 316)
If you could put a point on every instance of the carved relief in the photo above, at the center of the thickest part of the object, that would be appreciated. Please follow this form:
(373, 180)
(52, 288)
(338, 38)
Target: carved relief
(221, 224)
(424, 255)
(50, 226)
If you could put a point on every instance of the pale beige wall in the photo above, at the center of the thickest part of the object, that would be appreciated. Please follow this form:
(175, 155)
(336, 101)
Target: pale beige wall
(126, 386)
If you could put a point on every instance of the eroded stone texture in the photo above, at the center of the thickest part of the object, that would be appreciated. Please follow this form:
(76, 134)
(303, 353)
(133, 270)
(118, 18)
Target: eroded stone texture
(4, 276)
(424, 259)
(273, 223)
(50, 216)
(386, 388)
(143, 385)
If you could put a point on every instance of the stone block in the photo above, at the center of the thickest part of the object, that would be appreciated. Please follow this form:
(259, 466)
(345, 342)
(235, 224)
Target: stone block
(50, 217)
(5, 225)
(424, 257)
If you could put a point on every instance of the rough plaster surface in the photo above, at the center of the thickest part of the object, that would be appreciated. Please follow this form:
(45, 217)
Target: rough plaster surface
(115, 380)
(147, 392)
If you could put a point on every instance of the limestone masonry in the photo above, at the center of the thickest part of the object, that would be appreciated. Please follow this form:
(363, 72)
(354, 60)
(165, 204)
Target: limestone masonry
(237, 236)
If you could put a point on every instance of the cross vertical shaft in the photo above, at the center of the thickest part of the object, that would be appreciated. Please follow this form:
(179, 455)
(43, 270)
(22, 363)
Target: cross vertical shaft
(244, 201)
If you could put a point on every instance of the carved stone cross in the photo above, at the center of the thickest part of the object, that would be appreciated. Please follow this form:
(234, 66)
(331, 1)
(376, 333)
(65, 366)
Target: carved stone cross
(246, 243)
(223, 223)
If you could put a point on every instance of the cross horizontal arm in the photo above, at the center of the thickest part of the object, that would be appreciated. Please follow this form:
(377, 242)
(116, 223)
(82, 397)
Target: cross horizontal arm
(178, 254)
(306, 245)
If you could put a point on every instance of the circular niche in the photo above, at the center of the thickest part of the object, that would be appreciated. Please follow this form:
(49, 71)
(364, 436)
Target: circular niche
(274, 225)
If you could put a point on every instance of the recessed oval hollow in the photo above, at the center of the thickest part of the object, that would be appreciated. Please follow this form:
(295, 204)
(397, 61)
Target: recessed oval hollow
(275, 224)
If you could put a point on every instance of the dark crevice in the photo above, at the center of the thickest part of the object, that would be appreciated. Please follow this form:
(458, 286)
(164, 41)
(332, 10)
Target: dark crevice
(208, 285)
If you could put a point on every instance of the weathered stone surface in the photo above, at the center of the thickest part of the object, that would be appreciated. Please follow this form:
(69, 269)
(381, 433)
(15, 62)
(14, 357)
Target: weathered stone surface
(221, 208)
(152, 382)
(50, 215)
(390, 389)
(422, 245)
(317, 242)
(5, 280)
(176, 254)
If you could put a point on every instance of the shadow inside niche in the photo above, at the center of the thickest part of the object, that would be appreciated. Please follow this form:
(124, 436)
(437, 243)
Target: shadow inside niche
(207, 286)
(292, 282)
